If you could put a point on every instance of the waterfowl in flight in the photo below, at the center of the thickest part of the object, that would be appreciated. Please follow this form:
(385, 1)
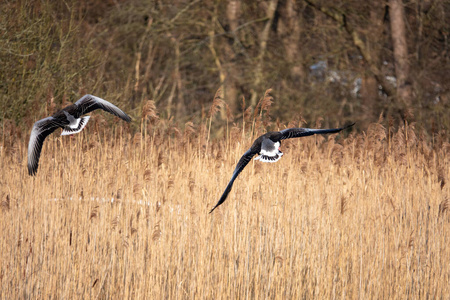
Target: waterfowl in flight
(267, 146)
(70, 120)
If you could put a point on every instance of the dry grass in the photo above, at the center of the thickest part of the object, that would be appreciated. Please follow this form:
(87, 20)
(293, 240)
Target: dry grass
(364, 217)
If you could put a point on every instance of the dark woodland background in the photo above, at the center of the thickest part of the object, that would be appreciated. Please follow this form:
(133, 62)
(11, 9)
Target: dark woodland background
(327, 62)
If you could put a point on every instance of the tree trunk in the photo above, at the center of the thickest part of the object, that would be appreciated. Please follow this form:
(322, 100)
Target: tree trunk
(289, 30)
(230, 86)
(212, 48)
(263, 38)
(369, 95)
(371, 107)
(397, 19)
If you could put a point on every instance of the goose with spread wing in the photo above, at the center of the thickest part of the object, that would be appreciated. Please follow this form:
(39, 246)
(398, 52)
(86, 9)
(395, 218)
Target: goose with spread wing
(70, 120)
(267, 146)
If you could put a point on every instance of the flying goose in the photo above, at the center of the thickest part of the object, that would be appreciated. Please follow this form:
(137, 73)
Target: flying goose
(267, 146)
(70, 120)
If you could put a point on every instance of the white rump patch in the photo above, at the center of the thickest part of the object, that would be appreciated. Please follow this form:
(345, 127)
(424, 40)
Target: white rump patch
(270, 159)
(76, 126)
(270, 156)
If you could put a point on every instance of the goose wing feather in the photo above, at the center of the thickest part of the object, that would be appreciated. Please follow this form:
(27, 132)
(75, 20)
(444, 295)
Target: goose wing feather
(245, 159)
(290, 133)
(41, 129)
(89, 103)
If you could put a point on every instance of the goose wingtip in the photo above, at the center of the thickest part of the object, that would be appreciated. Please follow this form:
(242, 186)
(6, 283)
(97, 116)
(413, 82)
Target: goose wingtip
(349, 125)
(32, 171)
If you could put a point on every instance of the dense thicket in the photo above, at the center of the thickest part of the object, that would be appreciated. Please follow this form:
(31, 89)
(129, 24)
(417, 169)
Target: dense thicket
(334, 61)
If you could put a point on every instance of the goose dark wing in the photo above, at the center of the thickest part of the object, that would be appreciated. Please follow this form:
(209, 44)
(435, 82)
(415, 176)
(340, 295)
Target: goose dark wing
(89, 103)
(41, 129)
(299, 132)
(245, 159)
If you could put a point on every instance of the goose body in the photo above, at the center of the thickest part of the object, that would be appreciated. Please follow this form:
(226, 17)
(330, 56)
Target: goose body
(267, 147)
(70, 120)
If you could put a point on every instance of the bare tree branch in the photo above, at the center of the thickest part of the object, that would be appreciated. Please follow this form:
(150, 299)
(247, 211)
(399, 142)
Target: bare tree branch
(341, 19)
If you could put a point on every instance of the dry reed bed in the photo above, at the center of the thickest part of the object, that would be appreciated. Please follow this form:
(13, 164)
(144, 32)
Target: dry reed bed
(364, 217)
